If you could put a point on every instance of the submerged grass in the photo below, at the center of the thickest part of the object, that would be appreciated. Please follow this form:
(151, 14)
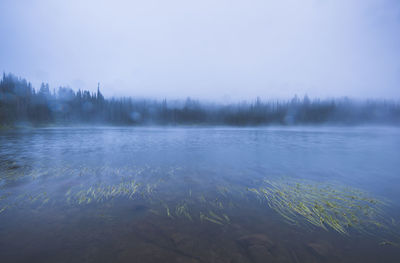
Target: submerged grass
(342, 209)
(103, 193)
(300, 202)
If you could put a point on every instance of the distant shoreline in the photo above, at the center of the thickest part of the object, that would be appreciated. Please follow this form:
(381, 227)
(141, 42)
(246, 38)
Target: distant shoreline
(23, 105)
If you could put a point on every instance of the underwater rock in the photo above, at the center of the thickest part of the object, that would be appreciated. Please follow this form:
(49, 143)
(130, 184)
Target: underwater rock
(259, 254)
(257, 246)
(183, 242)
(255, 240)
(320, 249)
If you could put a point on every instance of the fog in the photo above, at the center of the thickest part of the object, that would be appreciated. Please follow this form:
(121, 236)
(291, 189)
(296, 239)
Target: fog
(22, 105)
(211, 50)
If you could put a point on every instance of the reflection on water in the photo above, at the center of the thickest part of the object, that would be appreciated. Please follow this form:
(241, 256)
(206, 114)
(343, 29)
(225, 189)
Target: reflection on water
(199, 195)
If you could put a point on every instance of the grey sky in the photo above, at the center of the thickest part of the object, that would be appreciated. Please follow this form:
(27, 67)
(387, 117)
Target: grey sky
(208, 49)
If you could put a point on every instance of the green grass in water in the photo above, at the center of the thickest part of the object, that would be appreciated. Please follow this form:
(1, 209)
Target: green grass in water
(327, 206)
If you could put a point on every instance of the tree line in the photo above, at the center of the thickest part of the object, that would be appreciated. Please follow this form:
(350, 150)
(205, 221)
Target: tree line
(21, 103)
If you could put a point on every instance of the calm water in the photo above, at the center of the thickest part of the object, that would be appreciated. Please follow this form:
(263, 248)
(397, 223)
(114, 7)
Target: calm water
(190, 194)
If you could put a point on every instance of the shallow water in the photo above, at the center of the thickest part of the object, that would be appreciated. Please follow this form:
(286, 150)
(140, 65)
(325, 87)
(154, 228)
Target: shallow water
(187, 194)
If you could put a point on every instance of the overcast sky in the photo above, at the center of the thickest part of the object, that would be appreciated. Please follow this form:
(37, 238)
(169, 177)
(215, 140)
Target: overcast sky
(208, 49)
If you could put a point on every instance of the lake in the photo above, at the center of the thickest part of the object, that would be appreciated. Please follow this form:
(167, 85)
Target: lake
(123, 194)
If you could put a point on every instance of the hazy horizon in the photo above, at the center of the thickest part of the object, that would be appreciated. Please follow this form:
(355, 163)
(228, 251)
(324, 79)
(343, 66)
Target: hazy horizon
(214, 51)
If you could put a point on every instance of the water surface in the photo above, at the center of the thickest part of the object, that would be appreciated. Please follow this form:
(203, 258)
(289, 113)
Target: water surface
(102, 194)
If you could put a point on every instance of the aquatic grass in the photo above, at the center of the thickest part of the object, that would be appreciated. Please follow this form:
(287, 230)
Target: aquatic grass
(335, 207)
(299, 202)
(3, 209)
(183, 210)
(168, 211)
(102, 193)
(213, 217)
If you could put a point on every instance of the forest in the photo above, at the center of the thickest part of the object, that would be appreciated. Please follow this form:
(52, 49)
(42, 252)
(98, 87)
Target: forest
(22, 104)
